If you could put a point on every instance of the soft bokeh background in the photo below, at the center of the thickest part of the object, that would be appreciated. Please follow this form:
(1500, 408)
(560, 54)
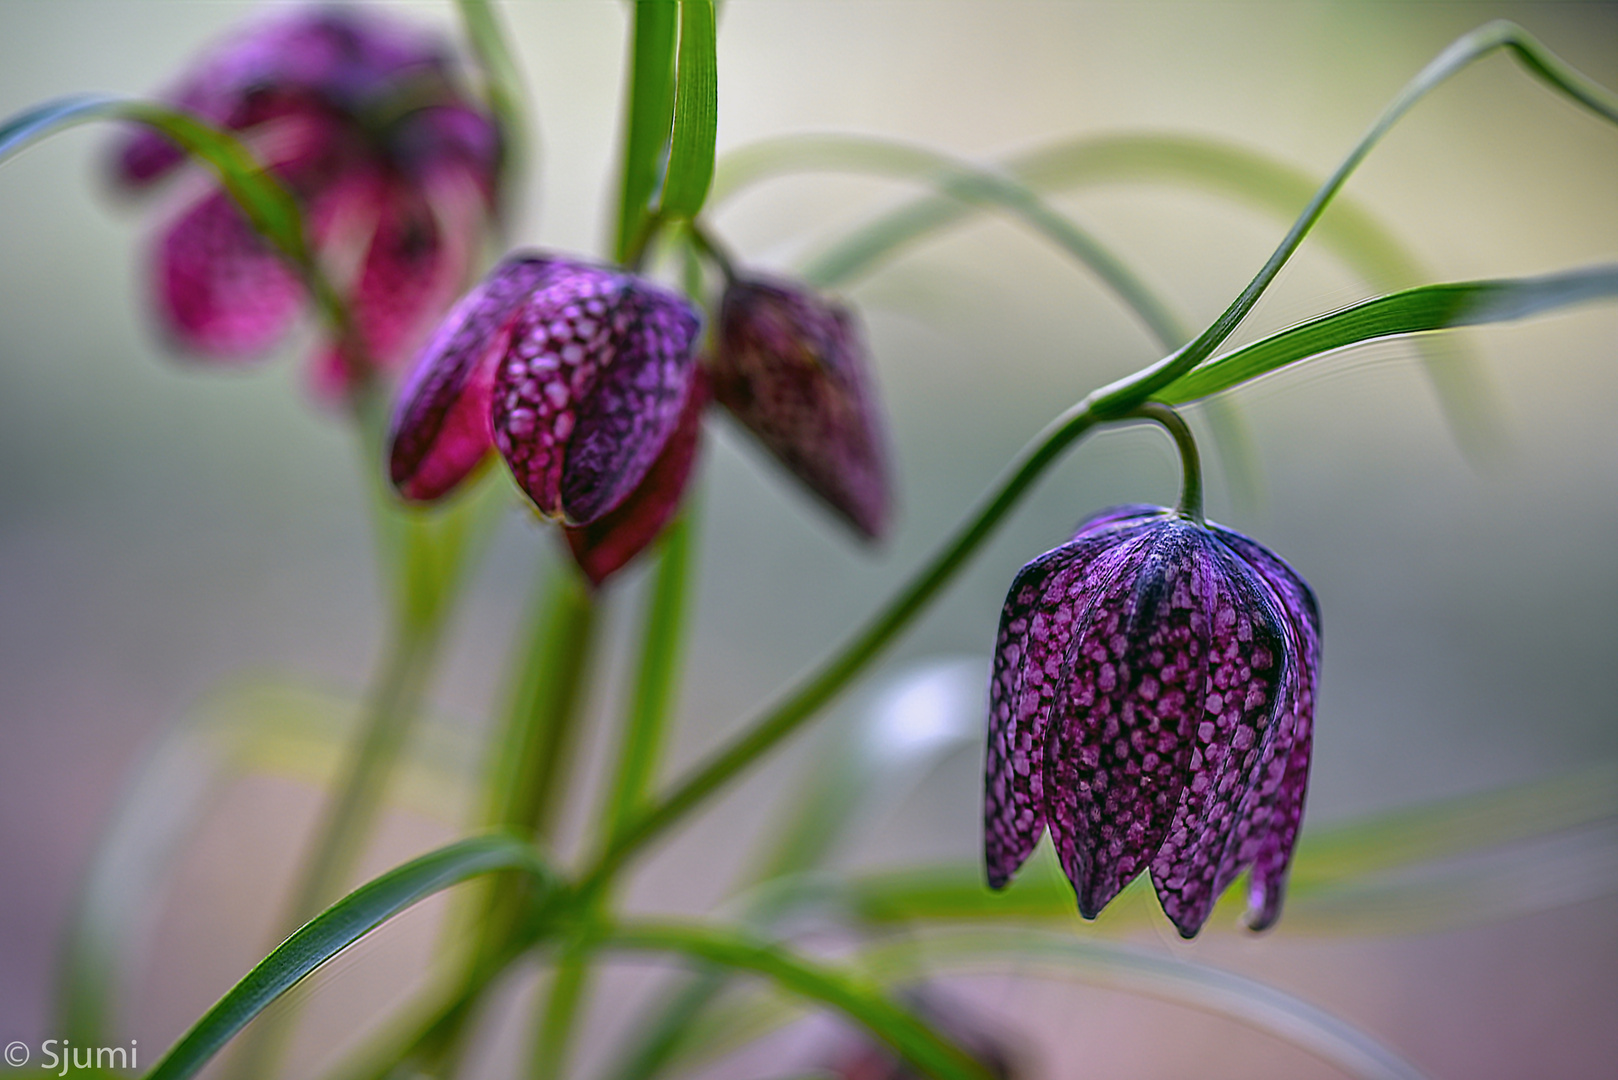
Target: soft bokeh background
(163, 529)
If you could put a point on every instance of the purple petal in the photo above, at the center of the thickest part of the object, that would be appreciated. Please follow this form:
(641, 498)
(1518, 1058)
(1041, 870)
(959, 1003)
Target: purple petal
(563, 337)
(635, 405)
(1275, 807)
(440, 429)
(1115, 516)
(223, 291)
(791, 367)
(1247, 664)
(606, 545)
(1037, 623)
(1127, 712)
(591, 388)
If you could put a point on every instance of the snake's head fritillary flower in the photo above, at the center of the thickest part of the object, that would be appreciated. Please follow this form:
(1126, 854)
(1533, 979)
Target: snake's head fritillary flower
(583, 377)
(393, 165)
(791, 367)
(1152, 704)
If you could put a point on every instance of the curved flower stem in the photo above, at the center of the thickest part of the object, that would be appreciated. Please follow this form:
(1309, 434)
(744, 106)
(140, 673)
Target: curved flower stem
(1190, 462)
(1109, 403)
(715, 251)
(837, 672)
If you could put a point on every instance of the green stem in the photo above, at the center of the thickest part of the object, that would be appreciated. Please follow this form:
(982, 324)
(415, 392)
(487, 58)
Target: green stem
(558, 1015)
(529, 762)
(1190, 506)
(645, 726)
(394, 705)
(715, 251)
(907, 1034)
(657, 685)
(1108, 403)
(649, 117)
(529, 765)
(836, 673)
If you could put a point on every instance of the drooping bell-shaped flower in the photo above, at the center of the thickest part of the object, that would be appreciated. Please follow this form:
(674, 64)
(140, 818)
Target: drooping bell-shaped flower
(394, 167)
(791, 367)
(1152, 705)
(585, 380)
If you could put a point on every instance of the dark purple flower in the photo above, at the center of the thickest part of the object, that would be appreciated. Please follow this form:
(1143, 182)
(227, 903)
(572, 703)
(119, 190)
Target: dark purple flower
(791, 367)
(1152, 705)
(584, 378)
(394, 167)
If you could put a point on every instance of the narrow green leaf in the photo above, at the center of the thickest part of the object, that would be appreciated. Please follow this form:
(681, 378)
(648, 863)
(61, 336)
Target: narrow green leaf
(264, 725)
(332, 931)
(1430, 307)
(1125, 394)
(268, 205)
(696, 113)
(1031, 954)
(649, 114)
(903, 1031)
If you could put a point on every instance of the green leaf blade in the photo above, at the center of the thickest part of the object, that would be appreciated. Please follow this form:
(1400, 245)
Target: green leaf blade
(900, 1029)
(649, 118)
(335, 929)
(696, 113)
(1428, 308)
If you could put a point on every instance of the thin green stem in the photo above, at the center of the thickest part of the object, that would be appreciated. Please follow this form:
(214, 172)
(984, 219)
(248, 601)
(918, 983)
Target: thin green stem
(645, 727)
(559, 1011)
(715, 251)
(1190, 462)
(529, 762)
(907, 1034)
(657, 684)
(833, 675)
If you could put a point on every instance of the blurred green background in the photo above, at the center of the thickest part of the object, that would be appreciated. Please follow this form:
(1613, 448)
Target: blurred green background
(164, 528)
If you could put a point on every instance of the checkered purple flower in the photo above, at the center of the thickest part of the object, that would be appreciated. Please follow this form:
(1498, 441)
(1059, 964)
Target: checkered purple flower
(790, 366)
(395, 168)
(583, 377)
(1151, 705)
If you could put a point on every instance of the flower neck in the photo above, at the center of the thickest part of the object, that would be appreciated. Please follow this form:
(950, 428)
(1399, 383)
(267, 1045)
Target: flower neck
(1190, 506)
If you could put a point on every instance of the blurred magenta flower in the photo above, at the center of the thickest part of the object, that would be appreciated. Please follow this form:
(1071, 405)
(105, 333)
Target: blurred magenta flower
(584, 378)
(1152, 705)
(395, 168)
(791, 367)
